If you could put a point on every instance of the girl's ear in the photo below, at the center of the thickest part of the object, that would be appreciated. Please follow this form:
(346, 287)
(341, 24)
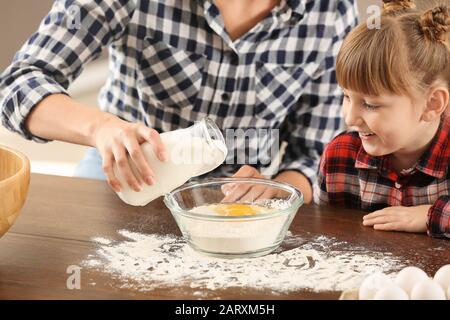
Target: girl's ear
(436, 104)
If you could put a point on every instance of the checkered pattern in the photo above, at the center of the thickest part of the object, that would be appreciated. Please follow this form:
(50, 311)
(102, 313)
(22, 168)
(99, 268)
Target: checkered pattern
(351, 178)
(172, 63)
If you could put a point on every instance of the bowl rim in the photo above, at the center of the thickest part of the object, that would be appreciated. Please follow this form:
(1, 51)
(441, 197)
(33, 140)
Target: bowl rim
(25, 165)
(168, 199)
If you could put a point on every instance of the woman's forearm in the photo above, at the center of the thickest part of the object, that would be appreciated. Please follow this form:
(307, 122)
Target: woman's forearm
(299, 181)
(59, 117)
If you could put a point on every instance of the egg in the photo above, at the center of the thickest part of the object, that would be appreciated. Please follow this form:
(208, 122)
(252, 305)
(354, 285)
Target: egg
(427, 290)
(232, 209)
(372, 284)
(409, 277)
(442, 276)
(391, 292)
(239, 209)
(448, 293)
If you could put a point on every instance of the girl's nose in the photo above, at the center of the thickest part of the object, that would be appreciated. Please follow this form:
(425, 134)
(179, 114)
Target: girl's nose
(351, 116)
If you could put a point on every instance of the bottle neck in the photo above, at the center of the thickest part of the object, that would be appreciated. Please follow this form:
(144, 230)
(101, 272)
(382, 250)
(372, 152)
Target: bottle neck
(212, 133)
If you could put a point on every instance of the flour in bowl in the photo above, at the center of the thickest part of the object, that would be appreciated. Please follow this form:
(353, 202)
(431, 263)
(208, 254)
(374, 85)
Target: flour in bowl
(234, 235)
(259, 232)
(146, 262)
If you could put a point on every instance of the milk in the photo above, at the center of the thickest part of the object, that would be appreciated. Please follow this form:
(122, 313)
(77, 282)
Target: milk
(191, 151)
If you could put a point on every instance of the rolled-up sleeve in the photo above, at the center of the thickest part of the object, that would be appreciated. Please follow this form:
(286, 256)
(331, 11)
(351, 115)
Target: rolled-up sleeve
(318, 117)
(438, 224)
(71, 35)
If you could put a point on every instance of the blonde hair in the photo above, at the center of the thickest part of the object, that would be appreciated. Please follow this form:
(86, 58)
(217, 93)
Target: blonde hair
(397, 7)
(408, 53)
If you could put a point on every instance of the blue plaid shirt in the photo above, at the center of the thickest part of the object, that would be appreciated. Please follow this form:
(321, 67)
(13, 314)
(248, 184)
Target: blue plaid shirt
(172, 63)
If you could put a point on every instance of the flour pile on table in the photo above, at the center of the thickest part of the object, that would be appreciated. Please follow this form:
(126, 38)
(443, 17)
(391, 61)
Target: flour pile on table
(146, 262)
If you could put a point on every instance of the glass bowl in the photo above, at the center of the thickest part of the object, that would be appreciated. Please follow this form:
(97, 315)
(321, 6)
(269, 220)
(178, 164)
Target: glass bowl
(234, 217)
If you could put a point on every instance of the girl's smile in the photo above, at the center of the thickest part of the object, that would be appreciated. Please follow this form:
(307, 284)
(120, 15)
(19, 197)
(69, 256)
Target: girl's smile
(366, 135)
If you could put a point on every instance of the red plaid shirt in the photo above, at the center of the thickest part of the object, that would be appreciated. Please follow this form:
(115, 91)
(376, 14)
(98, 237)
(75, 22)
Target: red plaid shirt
(351, 178)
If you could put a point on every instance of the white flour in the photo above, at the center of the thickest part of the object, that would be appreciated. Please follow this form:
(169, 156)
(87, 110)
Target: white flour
(235, 236)
(146, 262)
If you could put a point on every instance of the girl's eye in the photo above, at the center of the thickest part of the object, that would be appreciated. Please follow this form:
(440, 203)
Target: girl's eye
(370, 106)
(346, 97)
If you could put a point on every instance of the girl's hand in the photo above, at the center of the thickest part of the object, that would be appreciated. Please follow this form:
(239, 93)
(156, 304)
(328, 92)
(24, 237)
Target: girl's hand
(409, 219)
(247, 192)
(115, 139)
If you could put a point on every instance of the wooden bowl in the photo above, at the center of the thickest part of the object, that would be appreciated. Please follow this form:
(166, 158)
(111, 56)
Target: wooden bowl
(14, 182)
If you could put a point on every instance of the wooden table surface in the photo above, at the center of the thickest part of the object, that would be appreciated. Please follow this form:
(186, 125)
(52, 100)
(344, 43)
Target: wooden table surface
(62, 215)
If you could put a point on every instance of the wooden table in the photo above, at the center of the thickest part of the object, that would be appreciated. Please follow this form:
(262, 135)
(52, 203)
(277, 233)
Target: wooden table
(62, 215)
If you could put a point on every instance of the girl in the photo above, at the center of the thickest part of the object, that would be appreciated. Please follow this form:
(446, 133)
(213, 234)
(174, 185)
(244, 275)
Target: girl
(395, 160)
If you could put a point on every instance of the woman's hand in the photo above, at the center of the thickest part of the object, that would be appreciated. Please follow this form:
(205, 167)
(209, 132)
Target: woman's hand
(115, 139)
(409, 219)
(247, 192)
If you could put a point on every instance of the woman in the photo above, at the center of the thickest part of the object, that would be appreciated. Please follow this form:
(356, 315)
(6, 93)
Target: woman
(247, 64)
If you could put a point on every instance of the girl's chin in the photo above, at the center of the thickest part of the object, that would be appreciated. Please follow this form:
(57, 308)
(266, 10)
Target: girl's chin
(374, 150)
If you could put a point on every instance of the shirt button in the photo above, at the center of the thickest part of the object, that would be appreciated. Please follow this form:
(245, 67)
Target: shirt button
(398, 185)
(234, 59)
(225, 96)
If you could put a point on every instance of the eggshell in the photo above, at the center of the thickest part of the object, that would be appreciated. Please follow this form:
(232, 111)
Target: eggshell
(372, 284)
(391, 292)
(427, 290)
(409, 277)
(448, 293)
(442, 276)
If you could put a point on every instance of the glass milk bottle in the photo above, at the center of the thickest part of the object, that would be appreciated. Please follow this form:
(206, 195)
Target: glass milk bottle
(192, 152)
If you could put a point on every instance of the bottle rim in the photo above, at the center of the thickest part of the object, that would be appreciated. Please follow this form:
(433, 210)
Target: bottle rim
(212, 131)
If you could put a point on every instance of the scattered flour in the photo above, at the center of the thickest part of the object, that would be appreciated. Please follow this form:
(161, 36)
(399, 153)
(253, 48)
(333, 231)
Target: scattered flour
(101, 240)
(147, 262)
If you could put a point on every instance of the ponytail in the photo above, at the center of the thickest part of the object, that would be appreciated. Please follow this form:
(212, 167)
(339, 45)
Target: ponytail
(435, 25)
(395, 7)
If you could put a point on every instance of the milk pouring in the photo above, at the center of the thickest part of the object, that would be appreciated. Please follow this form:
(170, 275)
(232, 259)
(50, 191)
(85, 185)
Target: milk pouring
(192, 152)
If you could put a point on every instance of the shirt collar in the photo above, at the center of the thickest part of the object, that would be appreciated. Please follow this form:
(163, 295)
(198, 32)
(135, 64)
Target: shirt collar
(290, 10)
(215, 21)
(297, 7)
(434, 162)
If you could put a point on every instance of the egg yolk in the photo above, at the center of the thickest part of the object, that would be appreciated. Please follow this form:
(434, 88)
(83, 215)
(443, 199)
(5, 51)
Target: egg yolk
(237, 209)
